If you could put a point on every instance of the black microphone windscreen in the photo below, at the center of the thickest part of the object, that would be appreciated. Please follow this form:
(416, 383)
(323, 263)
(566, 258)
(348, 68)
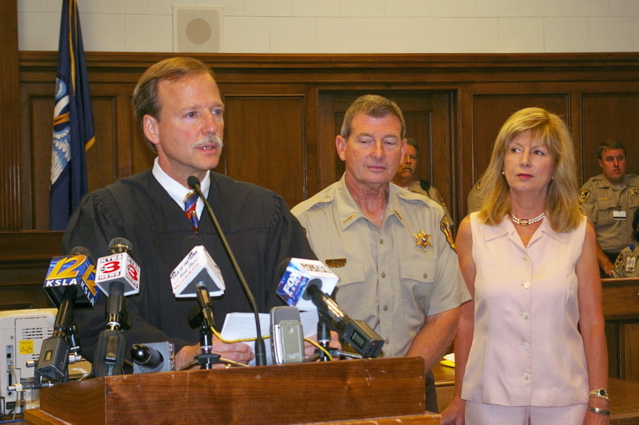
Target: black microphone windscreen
(312, 286)
(80, 250)
(118, 245)
(193, 181)
(145, 355)
(283, 265)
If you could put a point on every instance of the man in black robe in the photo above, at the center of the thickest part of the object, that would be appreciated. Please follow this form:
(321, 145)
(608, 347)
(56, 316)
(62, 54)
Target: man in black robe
(179, 107)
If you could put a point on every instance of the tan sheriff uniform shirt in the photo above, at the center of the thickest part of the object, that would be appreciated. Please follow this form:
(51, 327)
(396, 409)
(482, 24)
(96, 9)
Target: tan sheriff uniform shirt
(604, 204)
(475, 198)
(392, 277)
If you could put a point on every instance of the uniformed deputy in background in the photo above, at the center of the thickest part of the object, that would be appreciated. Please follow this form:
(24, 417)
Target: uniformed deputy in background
(610, 200)
(406, 172)
(475, 198)
(626, 264)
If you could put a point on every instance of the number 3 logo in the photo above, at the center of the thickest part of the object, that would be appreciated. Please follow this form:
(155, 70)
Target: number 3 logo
(133, 273)
(110, 267)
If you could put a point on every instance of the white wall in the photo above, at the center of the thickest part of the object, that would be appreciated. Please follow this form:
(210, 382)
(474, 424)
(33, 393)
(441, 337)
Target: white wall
(351, 26)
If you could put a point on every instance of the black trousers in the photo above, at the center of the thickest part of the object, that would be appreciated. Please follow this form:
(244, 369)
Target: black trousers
(431, 393)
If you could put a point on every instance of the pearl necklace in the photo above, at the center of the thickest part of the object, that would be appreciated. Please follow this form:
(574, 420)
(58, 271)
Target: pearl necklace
(525, 221)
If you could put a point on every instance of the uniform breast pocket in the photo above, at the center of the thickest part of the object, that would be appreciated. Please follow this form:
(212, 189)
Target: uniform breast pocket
(604, 212)
(352, 292)
(418, 277)
(351, 274)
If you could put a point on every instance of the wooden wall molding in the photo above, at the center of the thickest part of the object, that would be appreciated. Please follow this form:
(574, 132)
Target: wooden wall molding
(142, 60)
(9, 130)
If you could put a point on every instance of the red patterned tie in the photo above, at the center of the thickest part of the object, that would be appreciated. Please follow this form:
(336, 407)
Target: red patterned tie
(190, 202)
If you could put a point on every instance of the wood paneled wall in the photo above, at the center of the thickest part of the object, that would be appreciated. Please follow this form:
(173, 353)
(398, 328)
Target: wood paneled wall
(9, 102)
(283, 112)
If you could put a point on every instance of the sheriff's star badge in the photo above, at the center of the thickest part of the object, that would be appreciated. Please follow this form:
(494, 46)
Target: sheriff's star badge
(422, 239)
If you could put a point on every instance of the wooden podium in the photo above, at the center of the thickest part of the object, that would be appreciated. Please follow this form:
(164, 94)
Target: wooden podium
(380, 391)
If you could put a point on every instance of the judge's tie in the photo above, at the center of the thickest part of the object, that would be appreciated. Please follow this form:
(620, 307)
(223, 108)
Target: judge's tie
(190, 202)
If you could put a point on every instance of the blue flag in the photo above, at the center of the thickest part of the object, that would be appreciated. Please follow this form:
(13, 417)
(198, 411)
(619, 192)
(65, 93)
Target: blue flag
(73, 132)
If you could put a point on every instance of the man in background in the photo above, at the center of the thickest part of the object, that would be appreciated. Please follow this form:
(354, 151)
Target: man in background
(405, 178)
(392, 249)
(610, 200)
(475, 198)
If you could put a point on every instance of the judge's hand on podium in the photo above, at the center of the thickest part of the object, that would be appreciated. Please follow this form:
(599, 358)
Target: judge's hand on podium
(236, 351)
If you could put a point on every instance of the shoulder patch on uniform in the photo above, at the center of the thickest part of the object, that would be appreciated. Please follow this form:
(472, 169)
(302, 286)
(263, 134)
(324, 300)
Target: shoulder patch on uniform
(584, 195)
(618, 261)
(443, 225)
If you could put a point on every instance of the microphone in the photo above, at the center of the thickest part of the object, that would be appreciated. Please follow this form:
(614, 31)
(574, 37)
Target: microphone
(357, 333)
(303, 280)
(296, 274)
(75, 269)
(190, 279)
(196, 267)
(118, 268)
(65, 275)
(202, 314)
(204, 303)
(287, 337)
(153, 357)
(260, 349)
(117, 275)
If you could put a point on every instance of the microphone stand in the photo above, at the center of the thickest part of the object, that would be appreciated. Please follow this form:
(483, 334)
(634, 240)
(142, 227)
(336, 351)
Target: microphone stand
(324, 340)
(74, 344)
(54, 352)
(260, 347)
(202, 316)
(110, 352)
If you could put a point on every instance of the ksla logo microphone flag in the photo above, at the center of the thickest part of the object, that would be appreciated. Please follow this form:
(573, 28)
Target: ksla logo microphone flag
(73, 131)
(72, 270)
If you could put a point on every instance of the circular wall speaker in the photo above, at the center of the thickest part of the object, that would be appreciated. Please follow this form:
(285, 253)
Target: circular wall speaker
(197, 29)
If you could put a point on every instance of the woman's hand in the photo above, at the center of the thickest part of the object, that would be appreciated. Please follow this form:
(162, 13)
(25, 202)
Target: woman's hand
(454, 414)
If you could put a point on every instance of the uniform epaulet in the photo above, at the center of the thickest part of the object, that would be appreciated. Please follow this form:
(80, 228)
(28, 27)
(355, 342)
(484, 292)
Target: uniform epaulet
(413, 197)
(313, 202)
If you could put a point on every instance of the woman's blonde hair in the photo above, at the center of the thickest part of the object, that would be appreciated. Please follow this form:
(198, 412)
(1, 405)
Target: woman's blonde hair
(562, 199)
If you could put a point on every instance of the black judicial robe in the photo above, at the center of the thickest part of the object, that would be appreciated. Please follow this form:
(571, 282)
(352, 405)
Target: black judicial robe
(258, 226)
